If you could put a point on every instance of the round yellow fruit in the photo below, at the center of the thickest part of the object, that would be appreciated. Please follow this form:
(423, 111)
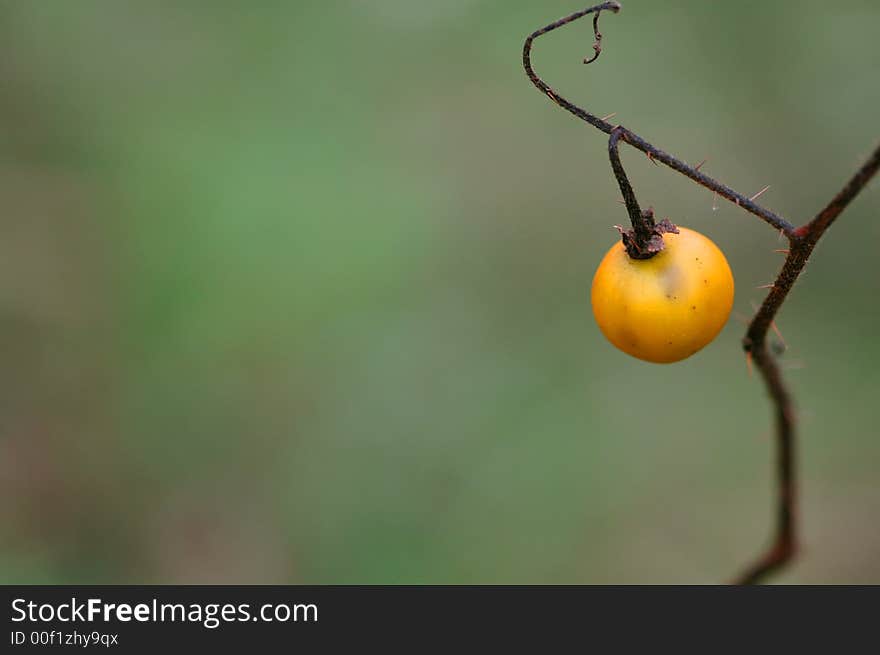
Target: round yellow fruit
(668, 307)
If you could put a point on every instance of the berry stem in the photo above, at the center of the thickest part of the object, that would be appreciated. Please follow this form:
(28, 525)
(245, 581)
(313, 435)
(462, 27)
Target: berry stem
(646, 238)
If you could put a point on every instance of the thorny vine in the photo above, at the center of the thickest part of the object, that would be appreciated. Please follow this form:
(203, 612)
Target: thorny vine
(641, 242)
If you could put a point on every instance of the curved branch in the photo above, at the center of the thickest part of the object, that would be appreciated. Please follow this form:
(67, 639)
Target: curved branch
(543, 87)
(802, 242)
(816, 228)
(634, 139)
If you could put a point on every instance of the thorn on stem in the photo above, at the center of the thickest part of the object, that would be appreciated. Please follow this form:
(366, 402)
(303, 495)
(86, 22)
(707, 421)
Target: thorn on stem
(758, 195)
(700, 165)
(781, 347)
(766, 286)
(611, 115)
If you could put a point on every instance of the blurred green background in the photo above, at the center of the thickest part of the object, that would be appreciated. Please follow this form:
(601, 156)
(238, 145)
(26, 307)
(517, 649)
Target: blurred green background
(298, 292)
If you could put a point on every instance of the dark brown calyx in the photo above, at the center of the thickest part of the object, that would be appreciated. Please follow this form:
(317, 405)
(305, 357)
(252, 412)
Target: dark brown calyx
(646, 239)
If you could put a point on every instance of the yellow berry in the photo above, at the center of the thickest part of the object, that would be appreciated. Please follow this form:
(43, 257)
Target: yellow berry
(668, 307)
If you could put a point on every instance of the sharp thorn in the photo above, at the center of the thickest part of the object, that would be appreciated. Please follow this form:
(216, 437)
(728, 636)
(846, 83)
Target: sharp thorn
(778, 333)
(758, 195)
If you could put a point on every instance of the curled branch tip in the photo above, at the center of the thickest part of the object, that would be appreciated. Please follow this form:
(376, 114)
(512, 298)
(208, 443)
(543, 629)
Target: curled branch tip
(597, 45)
